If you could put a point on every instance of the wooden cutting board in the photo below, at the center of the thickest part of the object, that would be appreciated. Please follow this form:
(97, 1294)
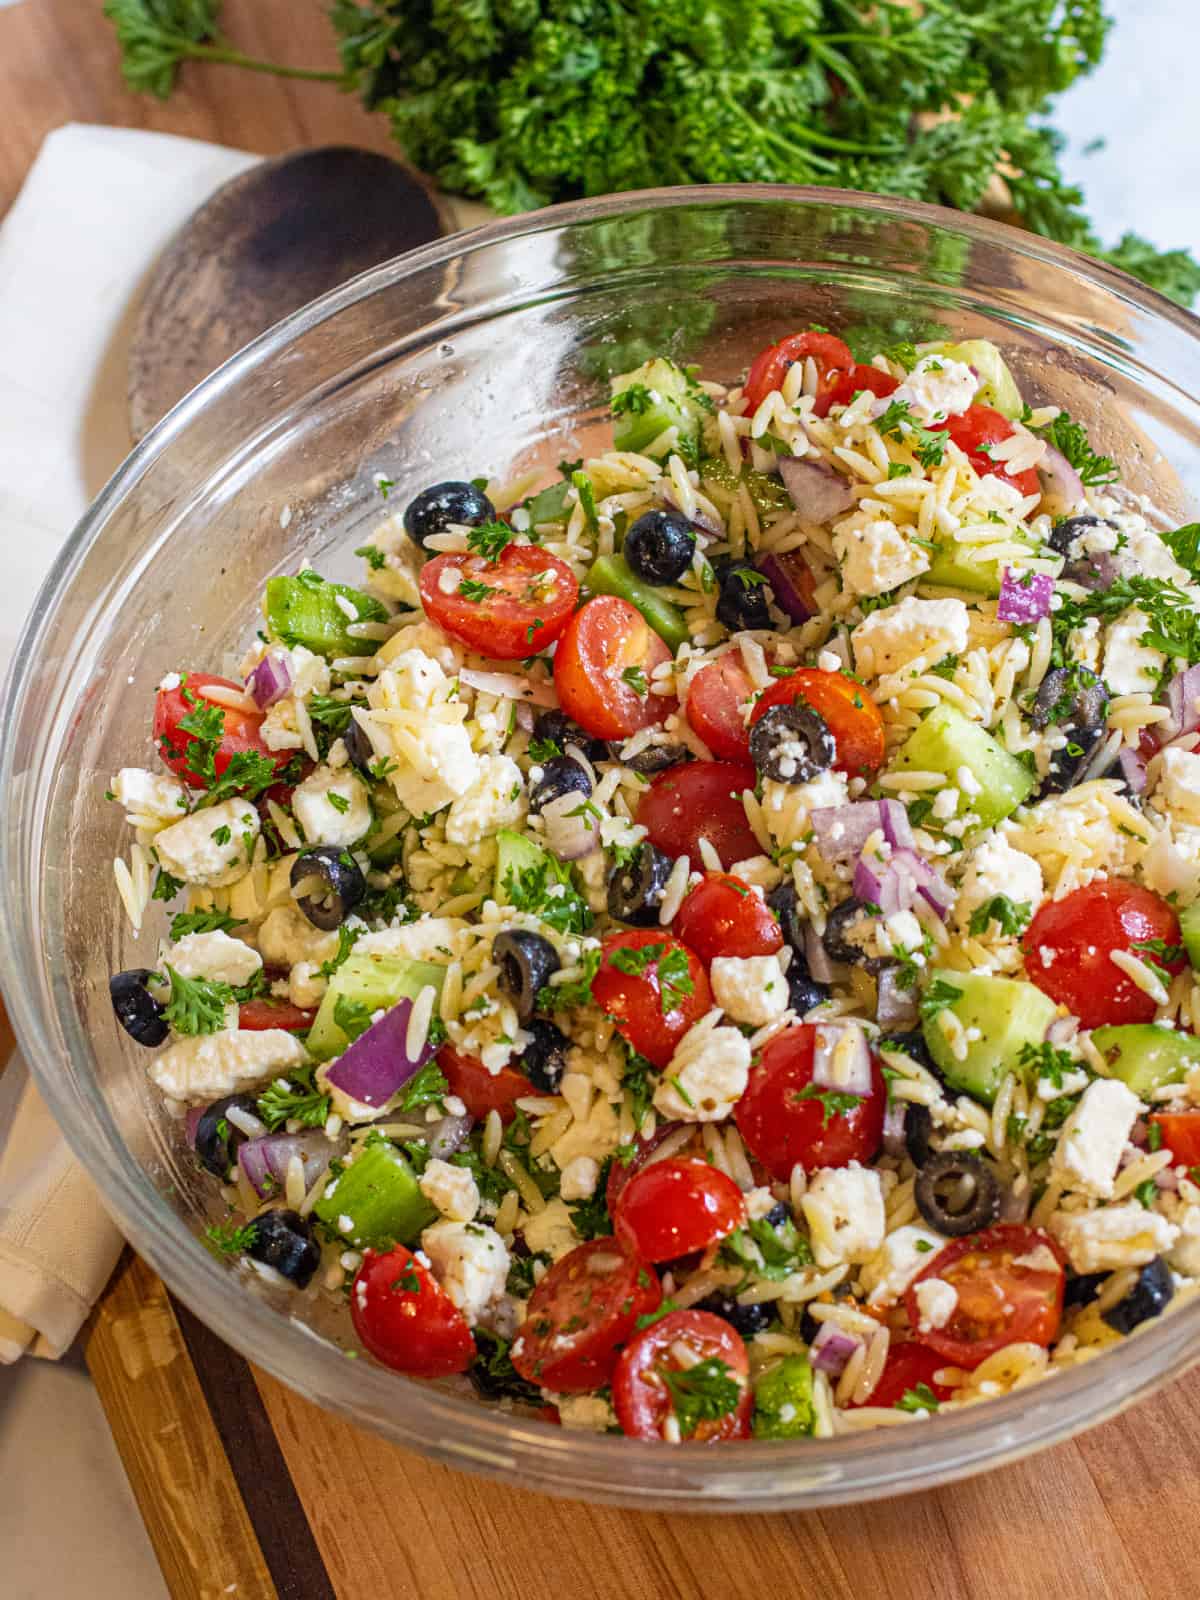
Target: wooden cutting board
(249, 1491)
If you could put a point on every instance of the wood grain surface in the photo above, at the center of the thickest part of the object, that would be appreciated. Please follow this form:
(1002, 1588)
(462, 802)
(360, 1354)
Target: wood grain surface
(224, 1465)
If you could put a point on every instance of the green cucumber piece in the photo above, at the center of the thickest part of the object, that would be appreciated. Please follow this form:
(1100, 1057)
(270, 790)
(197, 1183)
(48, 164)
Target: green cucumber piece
(376, 982)
(768, 495)
(952, 566)
(1145, 1056)
(1009, 1015)
(947, 740)
(517, 859)
(378, 1192)
(613, 575)
(997, 386)
(549, 505)
(783, 1401)
(304, 610)
(662, 396)
(1189, 927)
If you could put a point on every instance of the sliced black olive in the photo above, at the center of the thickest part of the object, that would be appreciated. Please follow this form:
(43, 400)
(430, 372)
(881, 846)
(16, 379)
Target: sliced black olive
(556, 727)
(846, 926)
(782, 901)
(660, 545)
(1152, 1292)
(559, 776)
(217, 1140)
(1076, 700)
(526, 961)
(139, 1013)
(777, 1215)
(957, 1193)
(635, 890)
(792, 744)
(358, 748)
(746, 1319)
(742, 600)
(283, 1240)
(804, 992)
(332, 884)
(1081, 1288)
(545, 1058)
(442, 504)
(657, 758)
(918, 1126)
(1064, 534)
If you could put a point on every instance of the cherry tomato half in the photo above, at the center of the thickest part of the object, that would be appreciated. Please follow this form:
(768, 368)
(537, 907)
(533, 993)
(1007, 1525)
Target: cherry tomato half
(673, 1207)
(1180, 1135)
(241, 731)
(907, 1365)
(584, 1307)
(1009, 1280)
(784, 1120)
(723, 916)
(621, 1171)
(979, 427)
(482, 1091)
(529, 598)
(257, 1015)
(848, 384)
(700, 800)
(643, 1397)
(1069, 944)
(769, 368)
(406, 1320)
(719, 696)
(606, 655)
(652, 1013)
(850, 714)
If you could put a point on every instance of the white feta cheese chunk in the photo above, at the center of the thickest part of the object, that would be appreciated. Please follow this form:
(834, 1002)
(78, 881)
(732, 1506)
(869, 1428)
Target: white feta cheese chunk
(888, 639)
(205, 1066)
(994, 868)
(707, 1075)
(593, 1137)
(1127, 1235)
(876, 557)
(470, 1262)
(1144, 555)
(551, 1231)
(579, 1178)
(1179, 785)
(211, 848)
(286, 936)
(1131, 667)
(332, 807)
(1171, 865)
(1184, 1254)
(306, 986)
(415, 721)
(901, 1256)
(935, 389)
(1094, 1135)
(151, 795)
(451, 1189)
(427, 939)
(495, 800)
(215, 956)
(749, 989)
(936, 1300)
(586, 1413)
(843, 1207)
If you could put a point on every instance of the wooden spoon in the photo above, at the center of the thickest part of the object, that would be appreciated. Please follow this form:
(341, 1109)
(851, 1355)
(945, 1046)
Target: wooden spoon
(266, 243)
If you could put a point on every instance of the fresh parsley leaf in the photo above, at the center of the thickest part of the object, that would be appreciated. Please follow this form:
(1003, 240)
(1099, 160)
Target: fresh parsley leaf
(1010, 916)
(921, 1398)
(493, 1373)
(489, 539)
(542, 750)
(587, 499)
(633, 401)
(353, 1017)
(185, 922)
(428, 1087)
(294, 1100)
(636, 679)
(547, 890)
(898, 422)
(197, 1005)
(1184, 545)
(471, 589)
(1070, 437)
(940, 994)
(1146, 1194)
(703, 1393)
(228, 1239)
(833, 1103)
(1154, 1136)
(554, 997)
(165, 886)
(768, 1250)
(1048, 1062)
(639, 1081)
(372, 555)
(590, 1216)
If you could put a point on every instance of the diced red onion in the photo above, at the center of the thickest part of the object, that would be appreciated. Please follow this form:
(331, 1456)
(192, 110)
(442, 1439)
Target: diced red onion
(1014, 1207)
(525, 717)
(1168, 1178)
(507, 686)
(269, 681)
(818, 492)
(448, 1135)
(1183, 691)
(842, 831)
(265, 1161)
(893, 1127)
(1133, 770)
(786, 573)
(1062, 487)
(1093, 572)
(895, 1007)
(1026, 598)
(377, 1064)
(841, 1058)
(897, 883)
(572, 826)
(191, 1123)
(816, 956)
(831, 1350)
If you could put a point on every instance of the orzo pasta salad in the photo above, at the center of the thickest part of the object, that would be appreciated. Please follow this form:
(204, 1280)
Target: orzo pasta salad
(707, 945)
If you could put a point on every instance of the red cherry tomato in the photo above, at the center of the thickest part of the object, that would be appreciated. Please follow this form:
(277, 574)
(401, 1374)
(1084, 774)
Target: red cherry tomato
(241, 731)
(1069, 944)
(642, 1397)
(700, 800)
(850, 714)
(531, 595)
(621, 1171)
(907, 1365)
(848, 384)
(672, 1207)
(650, 1022)
(1180, 1135)
(258, 1015)
(482, 1091)
(722, 916)
(980, 426)
(1009, 1280)
(719, 696)
(606, 643)
(406, 1320)
(586, 1305)
(783, 1120)
(769, 367)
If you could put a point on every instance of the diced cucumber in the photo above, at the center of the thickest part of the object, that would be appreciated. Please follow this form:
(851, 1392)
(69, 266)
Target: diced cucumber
(657, 396)
(946, 741)
(768, 495)
(304, 610)
(783, 1400)
(1145, 1056)
(952, 565)
(516, 854)
(549, 890)
(1008, 1015)
(384, 805)
(997, 386)
(375, 981)
(1189, 927)
(549, 505)
(612, 575)
(378, 1194)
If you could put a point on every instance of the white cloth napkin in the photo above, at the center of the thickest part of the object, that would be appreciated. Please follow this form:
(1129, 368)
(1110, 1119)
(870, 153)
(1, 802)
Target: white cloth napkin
(97, 207)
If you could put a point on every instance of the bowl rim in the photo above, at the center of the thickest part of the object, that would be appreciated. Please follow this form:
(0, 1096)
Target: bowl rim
(804, 1474)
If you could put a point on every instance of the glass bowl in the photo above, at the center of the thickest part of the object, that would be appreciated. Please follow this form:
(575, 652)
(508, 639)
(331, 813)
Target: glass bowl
(481, 352)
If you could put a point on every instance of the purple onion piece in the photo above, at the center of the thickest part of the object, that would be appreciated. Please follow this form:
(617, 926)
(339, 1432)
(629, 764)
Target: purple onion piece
(897, 829)
(1183, 692)
(818, 493)
(265, 1161)
(1095, 572)
(1062, 487)
(832, 1348)
(377, 1064)
(448, 1135)
(1133, 770)
(893, 1128)
(816, 956)
(1025, 598)
(841, 831)
(842, 1058)
(269, 681)
(191, 1123)
(571, 830)
(896, 1008)
(785, 573)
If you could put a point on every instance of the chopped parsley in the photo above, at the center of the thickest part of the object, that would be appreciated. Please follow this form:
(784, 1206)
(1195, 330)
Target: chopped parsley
(330, 713)
(832, 1101)
(1146, 1194)
(768, 1250)
(922, 1398)
(671, 970)
(1047, 1062)
(633, 401)
(547, 891)
(490, 539)
(1184, 545)
(587, 499)
(492, 1371)
(639, 1081)
(566, 996)
(224, 1239)
(940, 994)
(428, 1087)
(898, 422)
(1154, 1136)
(590, 1216)
(295, 1099)
(636, 679)
(1070, 437)
(353, 1017)
(1010, 916)
(471, 589)
(197, 1005)
(372, 555)
(347, 939)
(703, 1393)
(185, 922)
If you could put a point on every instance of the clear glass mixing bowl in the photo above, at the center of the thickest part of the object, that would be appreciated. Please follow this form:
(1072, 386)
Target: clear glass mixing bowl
(476, 353)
